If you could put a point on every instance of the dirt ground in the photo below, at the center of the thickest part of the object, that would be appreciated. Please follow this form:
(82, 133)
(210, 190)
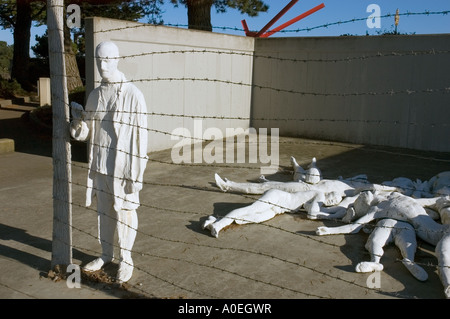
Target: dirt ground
(174, 257)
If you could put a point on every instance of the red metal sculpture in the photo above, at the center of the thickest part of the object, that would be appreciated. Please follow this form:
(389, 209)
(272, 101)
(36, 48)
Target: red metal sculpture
(263, 34)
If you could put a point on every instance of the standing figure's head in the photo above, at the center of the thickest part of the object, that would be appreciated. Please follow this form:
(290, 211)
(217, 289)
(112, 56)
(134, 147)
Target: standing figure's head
(107, 55)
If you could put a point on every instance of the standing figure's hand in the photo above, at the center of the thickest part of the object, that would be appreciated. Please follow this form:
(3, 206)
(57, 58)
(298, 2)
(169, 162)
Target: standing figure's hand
(132, 187)
(77, 111)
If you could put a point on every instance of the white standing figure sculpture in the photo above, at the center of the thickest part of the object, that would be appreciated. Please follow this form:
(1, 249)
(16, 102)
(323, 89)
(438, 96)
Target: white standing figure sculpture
(114, 123)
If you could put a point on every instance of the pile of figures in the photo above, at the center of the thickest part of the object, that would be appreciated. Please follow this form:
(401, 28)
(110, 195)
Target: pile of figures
(402, 209)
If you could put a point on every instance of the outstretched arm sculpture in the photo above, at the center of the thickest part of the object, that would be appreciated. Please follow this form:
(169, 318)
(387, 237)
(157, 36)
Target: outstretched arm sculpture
(402, 208)
(115, 124)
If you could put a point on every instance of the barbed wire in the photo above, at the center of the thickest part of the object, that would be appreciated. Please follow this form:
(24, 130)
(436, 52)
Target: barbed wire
(391, 92)
(145, 205)
(347, 59)
(253, 118)
(399, 53)
(247, 196)
(235, 249)
(215, 267)
(238, 140)
(389, 15)
(306, 29)
(154, 206)
(274, 119)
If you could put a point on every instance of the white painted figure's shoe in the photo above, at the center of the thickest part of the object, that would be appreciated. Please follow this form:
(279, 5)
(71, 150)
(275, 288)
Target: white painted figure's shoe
(97, 263)
(125, 271)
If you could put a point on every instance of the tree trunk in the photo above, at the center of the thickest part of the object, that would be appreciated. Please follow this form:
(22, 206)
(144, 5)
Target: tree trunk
(199, 14)
(22, 33)
(72, 71)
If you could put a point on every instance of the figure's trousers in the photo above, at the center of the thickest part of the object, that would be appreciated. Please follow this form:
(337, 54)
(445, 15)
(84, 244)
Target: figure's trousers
(124, 220)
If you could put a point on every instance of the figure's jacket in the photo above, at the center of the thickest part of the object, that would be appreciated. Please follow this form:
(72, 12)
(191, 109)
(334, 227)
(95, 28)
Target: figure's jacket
(130, 128)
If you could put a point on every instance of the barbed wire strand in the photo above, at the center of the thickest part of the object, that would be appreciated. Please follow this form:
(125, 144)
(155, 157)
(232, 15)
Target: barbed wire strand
(307, 29)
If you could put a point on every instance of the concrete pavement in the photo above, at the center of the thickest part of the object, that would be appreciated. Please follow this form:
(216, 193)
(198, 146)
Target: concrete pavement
(174, 257)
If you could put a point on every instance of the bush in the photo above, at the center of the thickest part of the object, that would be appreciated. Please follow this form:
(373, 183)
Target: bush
(10, 89)
(43, 116)
(78, 95)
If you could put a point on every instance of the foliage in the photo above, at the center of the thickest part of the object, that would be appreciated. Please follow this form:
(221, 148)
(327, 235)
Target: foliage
(40, 49)
(115, 9)
(6, 54)
(8, 12)
(393, 32)
(78, 95)
(10, 89)
(250, 7)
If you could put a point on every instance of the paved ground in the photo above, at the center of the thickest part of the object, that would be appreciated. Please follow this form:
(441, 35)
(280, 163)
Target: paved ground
(174, 257)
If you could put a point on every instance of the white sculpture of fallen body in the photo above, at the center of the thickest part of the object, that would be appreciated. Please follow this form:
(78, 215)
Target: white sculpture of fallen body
(392, 231)
(272, 203)
(282, 197)
(345, 187)
(395, 206)
(438, 185)
(321, 198)
(396, 209)
(312, 175)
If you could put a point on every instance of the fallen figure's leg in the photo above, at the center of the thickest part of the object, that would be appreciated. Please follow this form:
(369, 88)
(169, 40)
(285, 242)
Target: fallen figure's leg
(443, 254)
(344, 187)
(443, 247)
(392, 231)
(301, 181)
(272, 203)
(259, 188)
(403, 208)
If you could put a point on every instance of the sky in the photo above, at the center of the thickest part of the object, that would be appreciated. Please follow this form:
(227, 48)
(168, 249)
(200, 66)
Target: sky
(334, 11)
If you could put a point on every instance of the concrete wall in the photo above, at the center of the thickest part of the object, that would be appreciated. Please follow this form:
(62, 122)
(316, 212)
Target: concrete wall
(365, 90)
(181, 97)
(415, 120)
